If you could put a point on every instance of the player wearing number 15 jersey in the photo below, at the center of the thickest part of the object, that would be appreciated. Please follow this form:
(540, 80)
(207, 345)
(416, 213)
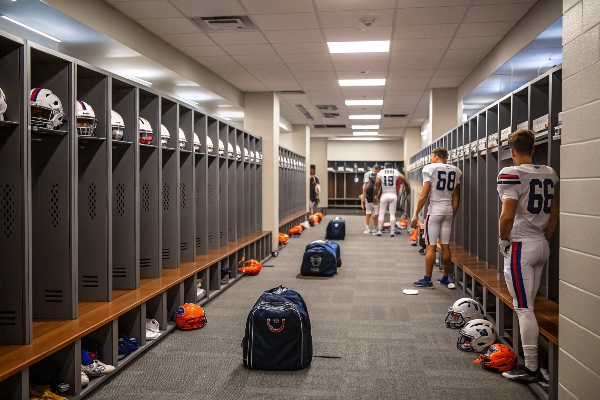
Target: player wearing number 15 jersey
(529, 195)
(441, 183)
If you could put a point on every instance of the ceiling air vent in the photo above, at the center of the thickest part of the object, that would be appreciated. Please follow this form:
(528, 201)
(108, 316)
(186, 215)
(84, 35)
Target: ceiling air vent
(284, 92)
(330, 115)
(326, 107)
(304, 112)
(220, 24)
(395, 115)
(329, 126)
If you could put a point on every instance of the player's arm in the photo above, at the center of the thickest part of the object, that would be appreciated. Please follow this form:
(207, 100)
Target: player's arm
(421, 203)
(377, 190)
(364, 195)
(405, 183)
(554, 215)
(507, 217)
(455, 198)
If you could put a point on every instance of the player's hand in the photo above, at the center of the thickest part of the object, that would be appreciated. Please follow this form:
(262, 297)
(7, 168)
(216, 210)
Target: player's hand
(504, 245)
(413, 223)
(362, 205)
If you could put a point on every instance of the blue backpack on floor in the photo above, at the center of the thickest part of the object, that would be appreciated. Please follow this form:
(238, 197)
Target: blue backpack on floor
(321, 258)
(336, 229)
(278, 335)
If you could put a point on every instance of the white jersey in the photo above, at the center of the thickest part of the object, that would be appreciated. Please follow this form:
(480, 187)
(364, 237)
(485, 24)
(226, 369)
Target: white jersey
(389, 180)
(533, 186)
(366, 178)
(444, 178)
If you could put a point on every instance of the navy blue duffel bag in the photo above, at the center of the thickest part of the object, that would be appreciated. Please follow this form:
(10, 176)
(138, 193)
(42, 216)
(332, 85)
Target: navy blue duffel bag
(321, 258)
(336, 229)
(278, 335)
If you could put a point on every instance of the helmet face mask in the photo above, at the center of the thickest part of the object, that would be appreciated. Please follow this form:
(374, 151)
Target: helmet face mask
(189, 316)
(196, 142)
(165, 135)
(209, 145)
(86, 119)
(221, 148)
(46, 109)
(182, 139)
(146, 132)
(230, 151)
(117, 125)
(476, 336)
(462, 311)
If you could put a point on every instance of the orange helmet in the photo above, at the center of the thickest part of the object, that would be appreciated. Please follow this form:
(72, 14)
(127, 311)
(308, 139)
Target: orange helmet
(296, 230)
(320, 215)
(498, 358)
(250, 267)
(283, 238)
(189, 316)
(403, 223)
(315, 219)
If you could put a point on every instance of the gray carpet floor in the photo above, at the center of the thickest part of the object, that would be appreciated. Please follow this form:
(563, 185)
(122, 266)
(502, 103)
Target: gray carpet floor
(392, 346)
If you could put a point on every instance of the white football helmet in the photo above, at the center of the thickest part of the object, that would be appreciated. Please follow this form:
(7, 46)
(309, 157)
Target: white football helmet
(146, 132)
(46, 108)
(476, 336)
(246, 155)
(251, 156)
(238, 153)
(86, 118)
(117, 125)
(209, 145)
(165, 135)
(230, 151)
(462, 311)
(259, 157)
(221, 148)
(3, 105)
(197, 143)
(182, 139)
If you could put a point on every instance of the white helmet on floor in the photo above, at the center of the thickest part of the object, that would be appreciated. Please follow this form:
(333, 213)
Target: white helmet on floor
(246, 155)
(476, 336)
(182, 139)
(3, 105)
(209, 145)
(238, 153)
(197, 143)
(462, 311)
(165, 135)
(46, 108)
(230, 153)
(117, 125)
(146, 132)
(86, 119)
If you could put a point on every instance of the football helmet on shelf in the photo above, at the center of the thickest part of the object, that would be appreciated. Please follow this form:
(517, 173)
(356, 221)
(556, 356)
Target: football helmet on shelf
(251, 156)
(3, 105)
(189, 316)
(246, 155)
(221, 148)
(197, 143)
(165, 135)
(498, 358)
(46, 109)
(259, 157)
(238, 153)
(117, 125)
(477, 335)
(182, 139)
(462, 311)
(209, 145)
(230, 151)
(86, 118)
(146, 132)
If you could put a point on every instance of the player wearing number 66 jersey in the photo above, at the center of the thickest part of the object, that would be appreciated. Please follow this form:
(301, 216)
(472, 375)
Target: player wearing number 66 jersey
(441, 183)
(529, 195)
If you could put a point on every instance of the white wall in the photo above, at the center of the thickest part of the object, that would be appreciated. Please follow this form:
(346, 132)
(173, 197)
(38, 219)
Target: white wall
(360, 150)
(425, 135)
(318, 157)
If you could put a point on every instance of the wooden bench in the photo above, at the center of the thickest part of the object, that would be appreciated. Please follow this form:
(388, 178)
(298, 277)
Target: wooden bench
(50, 336)
(492, 281)
(286, 223)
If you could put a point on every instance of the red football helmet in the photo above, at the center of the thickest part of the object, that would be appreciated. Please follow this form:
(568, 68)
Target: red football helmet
(498, 358)
(189, 316)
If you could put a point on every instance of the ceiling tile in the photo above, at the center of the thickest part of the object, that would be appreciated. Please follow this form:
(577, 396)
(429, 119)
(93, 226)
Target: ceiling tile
(251, 87)
(453, 72)
(277, 86)
(248, 49)
(364, 65)
(430, 15)
(188, 39)
(432, 3)
(169, 25)
(295, 36)
(316, 76)
(282, 22)
(500, 12)
(277, 6)
(424, 31)
(459, 63)
(301, 48)
(351, 92)
(485, 29)
(337, 5)
(202, 51)
(195, 8)
(260, 59)
(417, 55)
(306, 67)
(466, 53)
(304, 58)
(421, 44)
(353, 34)
(407, 84)
(215, 61)
(274, 76)
(412, 64)
(261, 68)
(227, 69)
(359, 75)
(484, 2)
(358, 57)
(147, 9)
(238, 38)
(405, 94)
(352, 19)
(482, 42)
(417, 73)
(446, 81)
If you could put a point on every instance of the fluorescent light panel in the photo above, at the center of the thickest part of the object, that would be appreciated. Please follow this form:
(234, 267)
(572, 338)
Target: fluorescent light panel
(365, 133)
(364, 102)
(365, 117)
(138, 80)
(365, 126)
(31, 29)
(359, 47)
(362, 82)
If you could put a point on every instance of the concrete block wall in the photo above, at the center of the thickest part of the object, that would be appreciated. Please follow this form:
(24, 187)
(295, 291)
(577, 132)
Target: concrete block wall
(579, 326)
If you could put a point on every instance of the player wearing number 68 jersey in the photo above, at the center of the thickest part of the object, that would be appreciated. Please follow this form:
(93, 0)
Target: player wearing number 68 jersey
(529, 195)
(441, 183)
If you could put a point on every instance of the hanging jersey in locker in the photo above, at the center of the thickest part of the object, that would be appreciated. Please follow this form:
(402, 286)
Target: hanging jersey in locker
(389, 180)
(533, 186)
(444, 179)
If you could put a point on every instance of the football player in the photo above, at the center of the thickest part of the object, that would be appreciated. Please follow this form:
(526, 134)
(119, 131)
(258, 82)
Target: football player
(441, 184)
(529, 195)
(387, 186)
(366, 201)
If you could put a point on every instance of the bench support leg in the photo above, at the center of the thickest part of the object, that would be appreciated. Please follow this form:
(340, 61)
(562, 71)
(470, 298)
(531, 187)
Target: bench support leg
(553, 371)
(16, 387)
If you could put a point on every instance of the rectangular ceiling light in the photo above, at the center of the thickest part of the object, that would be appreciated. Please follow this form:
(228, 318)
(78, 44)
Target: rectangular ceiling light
(364, 102)
(359, 47)
(31, 29)
(365, 126)
(365, 133)
(365, 117)
(362, 82)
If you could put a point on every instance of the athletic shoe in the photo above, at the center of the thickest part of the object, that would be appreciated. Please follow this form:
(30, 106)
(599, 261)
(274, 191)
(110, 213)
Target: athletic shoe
(423, 283)
(200, 293)
(377, 233)
(366, 232)
(393, 234)
(97, 368)
(374, 231)
(84, 379)
(447, 282)
(152, 329)
(524, 375)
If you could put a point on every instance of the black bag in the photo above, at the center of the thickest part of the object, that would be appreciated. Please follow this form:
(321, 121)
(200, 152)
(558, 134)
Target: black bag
(336, 229)
(321, 258)
(278, 335)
